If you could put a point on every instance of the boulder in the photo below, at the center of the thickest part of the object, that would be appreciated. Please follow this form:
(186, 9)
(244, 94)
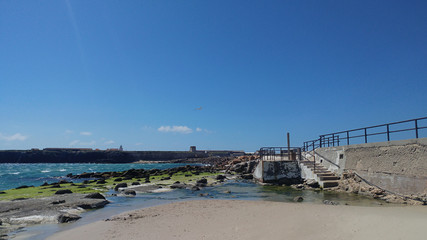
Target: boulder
(95, 196)
(58, 202)
(120, 185)
(178, 186)
(203, 180)
(247, 176)
(102, 181)
(312, 183)
(23, 186)
(129, 192)
(298, 199)
(118, 179)
(2, 192)
(67, 217)
(63, 191)
(220, 177)
(195, 188)
(136, 183)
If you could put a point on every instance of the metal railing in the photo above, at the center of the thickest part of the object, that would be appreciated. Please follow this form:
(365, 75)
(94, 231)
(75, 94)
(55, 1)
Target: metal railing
(280, 153)
(344, 137)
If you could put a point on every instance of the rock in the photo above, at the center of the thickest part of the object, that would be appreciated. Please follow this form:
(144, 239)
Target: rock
(44, 184)
(120, 185)
(247, 176)
(204, 194)
(95, 205)
(95, 196)
(86, 182)
(298, 199)
(66, 217)
(195, 188)
(118, 179)
(220, 177)
(23, 186)
(203, 180)
(130, 192)
(63, 191)
(2, 192)
(328, 202)
(312, 183)
(136, 183)
(63, 181)
(228, 191)
(165, 178)
(69, 175)
(188, 175)
(58, 202)
(55, 185)
(1, 223)
(178, 186)
(102, 181)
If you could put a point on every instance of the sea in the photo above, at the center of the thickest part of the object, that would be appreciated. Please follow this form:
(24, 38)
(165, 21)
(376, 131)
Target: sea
(14, 175)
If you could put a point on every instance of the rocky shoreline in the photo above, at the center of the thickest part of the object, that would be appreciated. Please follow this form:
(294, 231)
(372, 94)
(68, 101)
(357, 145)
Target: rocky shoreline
(65, 203)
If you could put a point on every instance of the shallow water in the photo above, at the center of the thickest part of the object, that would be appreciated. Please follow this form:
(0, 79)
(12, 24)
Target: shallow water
(240, 190)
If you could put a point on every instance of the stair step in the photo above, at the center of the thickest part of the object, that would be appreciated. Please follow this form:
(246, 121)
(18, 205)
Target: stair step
(321, 171)
(326, 174)
(323, 178)
(328, 184)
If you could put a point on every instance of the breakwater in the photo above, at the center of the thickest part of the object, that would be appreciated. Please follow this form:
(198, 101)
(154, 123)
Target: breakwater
(93, 156)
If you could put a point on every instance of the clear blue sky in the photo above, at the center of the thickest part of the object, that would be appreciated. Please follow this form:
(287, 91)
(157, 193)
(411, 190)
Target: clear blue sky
(164, 75)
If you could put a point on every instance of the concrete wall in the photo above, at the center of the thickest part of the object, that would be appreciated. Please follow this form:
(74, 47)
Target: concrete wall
(398, 166)
(271, 171)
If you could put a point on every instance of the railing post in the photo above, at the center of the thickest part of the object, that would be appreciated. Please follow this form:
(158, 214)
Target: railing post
(388, 132)
(416, 128)
(320, 141)
(333, 140)
(338, 140)
(348, 138)
(366, 136)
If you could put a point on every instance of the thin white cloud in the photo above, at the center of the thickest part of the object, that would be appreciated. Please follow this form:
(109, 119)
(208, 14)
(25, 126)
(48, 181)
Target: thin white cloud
(68, 131)
(109, 142)
(199, 129)
(175, 129)
(139, 144)
(86, 133)
(74, 143)
(14, 137)
(79, 143)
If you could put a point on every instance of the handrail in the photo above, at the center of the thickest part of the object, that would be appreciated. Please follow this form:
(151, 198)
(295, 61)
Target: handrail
(280, 153)
(336, 138)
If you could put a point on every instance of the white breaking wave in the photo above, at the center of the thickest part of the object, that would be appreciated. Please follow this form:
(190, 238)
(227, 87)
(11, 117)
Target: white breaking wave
(45, 171)
(62, 170)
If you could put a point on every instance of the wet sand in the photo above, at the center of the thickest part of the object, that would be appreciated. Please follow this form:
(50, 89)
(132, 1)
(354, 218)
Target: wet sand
(236, 219)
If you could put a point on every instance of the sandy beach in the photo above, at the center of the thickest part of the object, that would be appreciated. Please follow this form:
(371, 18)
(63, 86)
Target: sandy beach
(236, 219)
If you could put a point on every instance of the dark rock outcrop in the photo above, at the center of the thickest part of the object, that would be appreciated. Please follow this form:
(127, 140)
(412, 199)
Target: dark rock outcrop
(67, 217)
(63, 191)
(95, 196)
(120, 185)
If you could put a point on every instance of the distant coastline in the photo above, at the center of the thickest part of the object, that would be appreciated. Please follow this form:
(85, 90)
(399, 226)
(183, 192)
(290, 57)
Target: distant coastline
(99, 156)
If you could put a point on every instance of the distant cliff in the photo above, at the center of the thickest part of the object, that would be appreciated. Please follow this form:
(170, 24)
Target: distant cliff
(91, 156)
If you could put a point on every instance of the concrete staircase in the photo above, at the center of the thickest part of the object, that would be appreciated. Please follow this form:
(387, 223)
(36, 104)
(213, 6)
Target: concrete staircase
(325, 178)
